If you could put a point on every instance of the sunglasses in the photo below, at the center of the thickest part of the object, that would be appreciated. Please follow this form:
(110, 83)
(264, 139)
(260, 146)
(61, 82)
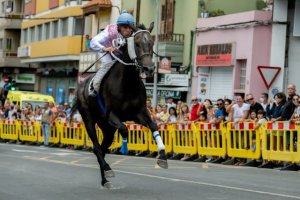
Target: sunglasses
(219, 104)
(249, 99)
(194, 99)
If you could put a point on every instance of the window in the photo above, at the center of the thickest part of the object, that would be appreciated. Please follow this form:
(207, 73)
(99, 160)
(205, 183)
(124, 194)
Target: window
(78, 26)
(242, 73)
(1, 43)
(47, 31)
(40, 32)
(32, 34)
(55, 29)
(3, 7)
(64, 28)
(25, 34)
(9, 6)
(8, 43)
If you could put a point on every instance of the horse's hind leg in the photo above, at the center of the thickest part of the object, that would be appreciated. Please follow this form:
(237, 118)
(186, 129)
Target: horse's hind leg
(108, 133)
(145, 119)
(91, 130)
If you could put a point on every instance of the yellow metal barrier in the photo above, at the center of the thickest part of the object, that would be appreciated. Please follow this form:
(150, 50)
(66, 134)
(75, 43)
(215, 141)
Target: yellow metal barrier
(55, 130)
(165, 131)
(72, 134)
(184, 139)
(116, 143)
(30, 131)
(9, 129)
(280, 142)
(211, 139)
(137, 137)
(240, 140)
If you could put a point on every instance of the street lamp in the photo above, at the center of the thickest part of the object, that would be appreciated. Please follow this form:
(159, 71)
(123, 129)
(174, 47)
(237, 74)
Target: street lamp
(154, 94)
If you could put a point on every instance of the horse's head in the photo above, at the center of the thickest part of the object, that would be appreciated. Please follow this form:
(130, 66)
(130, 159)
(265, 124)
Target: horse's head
(140, 48)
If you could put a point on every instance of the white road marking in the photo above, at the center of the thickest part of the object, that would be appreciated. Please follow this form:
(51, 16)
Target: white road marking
(25, 151)
(172, 179)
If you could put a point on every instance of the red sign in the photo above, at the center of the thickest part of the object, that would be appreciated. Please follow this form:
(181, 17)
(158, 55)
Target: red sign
(214, 60)
(268, 74)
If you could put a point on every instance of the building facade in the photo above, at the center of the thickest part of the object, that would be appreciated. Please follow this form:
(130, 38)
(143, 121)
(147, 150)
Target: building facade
(10, 33)
(51, 43)
(285, 46)
(228, 51)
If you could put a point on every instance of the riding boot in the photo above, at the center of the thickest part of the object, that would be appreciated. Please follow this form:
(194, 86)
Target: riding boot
(92, 91)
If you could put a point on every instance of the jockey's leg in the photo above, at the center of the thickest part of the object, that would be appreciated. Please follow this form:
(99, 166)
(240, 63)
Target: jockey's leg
(114, 121)
(94, 86)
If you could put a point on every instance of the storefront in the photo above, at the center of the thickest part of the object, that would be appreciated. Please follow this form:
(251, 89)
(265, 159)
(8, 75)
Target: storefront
(228, 51)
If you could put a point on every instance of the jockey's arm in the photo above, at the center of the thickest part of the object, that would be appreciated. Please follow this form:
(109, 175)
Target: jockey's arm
(97, 43)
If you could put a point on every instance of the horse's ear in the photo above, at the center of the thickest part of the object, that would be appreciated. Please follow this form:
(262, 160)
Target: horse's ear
(151, 27)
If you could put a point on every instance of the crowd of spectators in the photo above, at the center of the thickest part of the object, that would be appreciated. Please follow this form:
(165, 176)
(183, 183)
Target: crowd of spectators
(59, 112)
(240, 109)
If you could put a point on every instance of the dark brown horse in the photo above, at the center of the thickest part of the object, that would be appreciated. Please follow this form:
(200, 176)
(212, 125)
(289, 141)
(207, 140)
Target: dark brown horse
(122, 97)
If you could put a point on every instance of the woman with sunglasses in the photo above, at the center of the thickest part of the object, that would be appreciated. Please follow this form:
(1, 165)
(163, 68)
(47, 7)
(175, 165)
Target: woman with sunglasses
(103, 43)
(296, 115)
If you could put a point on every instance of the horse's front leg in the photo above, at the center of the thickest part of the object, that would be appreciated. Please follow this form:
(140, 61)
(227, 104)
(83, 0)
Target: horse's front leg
(145, 119)
(114, 121)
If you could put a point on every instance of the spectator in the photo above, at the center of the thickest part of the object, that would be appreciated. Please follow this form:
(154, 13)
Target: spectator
(239, 111)
(173, 115)
(219, 112)
(227, 106)
(47, 118)
(178, 106)
(170, 102)
(184, 114)
(149, 106)
(207, 103)
(289, 107)
(87, 42)
(196, 109)
(66, 109)
(77, 117)
(156, 114)
(38, 113)
(296, 115)
(264, 101)
(254, 106)
(29, 115)
(164, 115)
(277, 109)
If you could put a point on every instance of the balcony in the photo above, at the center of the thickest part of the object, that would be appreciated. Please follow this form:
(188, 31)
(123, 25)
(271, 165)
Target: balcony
(171, 45)
(13, 21)
(10, 59)
(86, 59)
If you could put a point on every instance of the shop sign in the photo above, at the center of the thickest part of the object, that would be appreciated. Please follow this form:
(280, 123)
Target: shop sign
(214, 55)
(164, 93)
(177, 79)
(25, 78)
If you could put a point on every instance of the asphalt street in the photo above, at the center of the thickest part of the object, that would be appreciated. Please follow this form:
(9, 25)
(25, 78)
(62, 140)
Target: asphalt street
(38, 173)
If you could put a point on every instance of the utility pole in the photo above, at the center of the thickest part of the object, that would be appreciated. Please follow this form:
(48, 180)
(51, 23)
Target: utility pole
(154, 94)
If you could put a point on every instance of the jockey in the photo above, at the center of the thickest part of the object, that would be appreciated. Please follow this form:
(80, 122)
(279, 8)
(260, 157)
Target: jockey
(103, 43)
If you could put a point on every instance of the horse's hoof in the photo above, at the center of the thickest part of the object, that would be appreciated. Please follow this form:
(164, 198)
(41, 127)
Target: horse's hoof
(162, 163)
(108, 185)
(109, 174)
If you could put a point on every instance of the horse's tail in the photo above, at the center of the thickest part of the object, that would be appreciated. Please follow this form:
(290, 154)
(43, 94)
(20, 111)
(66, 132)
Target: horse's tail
(73, 109)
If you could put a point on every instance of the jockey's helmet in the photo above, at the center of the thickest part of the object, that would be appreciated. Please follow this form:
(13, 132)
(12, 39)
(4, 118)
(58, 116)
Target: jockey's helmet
(125, 19)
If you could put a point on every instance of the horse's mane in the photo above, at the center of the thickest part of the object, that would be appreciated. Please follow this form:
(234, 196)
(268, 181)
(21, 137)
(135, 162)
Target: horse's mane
(141, 27)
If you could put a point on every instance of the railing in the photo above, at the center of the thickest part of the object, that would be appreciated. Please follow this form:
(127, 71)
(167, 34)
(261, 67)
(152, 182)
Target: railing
(170, 37)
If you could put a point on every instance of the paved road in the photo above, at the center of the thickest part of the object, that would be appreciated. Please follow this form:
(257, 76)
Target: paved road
(36, 173)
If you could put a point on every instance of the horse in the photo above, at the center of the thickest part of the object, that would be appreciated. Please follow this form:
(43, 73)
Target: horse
(121, 97)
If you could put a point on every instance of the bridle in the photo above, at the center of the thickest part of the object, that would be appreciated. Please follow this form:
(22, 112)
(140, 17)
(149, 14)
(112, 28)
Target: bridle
(131, 50)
